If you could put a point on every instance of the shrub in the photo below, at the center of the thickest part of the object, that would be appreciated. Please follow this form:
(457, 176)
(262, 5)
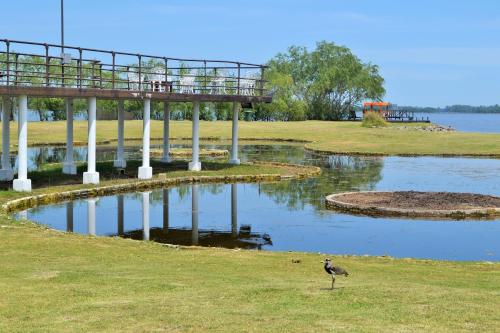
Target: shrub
(373, 119)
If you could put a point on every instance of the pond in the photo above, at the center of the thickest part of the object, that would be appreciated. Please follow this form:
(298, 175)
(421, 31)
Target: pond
(290, 215)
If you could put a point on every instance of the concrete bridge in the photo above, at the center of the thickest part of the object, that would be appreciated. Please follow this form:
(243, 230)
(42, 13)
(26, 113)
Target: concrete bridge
(29, 69)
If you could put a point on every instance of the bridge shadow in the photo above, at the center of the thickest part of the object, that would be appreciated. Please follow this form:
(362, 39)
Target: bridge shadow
(51, 174)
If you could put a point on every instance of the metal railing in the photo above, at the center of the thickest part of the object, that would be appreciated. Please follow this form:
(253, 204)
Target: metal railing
(44, 65)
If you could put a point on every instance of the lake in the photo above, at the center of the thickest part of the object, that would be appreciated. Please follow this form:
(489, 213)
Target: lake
(466, 122)
(290, 215)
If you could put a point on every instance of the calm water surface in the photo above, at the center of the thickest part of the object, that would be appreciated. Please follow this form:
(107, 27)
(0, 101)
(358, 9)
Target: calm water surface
(290, 215)
(466, 122)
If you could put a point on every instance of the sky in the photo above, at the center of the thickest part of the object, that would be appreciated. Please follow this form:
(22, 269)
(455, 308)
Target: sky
(430, 52)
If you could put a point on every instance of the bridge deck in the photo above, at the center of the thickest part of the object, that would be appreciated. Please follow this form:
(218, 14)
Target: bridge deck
(118, 94)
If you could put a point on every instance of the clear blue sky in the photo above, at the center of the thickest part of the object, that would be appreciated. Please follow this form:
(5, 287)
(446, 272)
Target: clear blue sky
(431, 52)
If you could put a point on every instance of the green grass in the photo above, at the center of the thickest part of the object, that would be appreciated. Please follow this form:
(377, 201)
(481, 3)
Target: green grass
(53, 281)
(341, 137)
(49, 178)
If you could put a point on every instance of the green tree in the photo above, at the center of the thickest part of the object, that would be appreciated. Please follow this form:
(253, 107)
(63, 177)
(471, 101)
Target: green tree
(323, 84)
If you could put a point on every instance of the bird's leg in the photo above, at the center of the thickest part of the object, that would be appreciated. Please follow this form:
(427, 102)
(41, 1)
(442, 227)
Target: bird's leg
(333, 281)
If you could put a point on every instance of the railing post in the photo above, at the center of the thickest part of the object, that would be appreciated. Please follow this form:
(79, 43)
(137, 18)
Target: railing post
(62, 68)
(8, 61)
(128, 78)
(113, 78)
(16, 57)
(80, 60)
(100, 76)
(166, 76)
(47, 65)
(239, 76)
(205, 69)
(262, 68)
(140, 71)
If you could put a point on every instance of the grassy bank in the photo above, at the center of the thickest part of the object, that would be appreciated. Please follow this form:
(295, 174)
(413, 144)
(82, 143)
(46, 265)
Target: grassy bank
(334, 137)
(50, 179)
(53, 281)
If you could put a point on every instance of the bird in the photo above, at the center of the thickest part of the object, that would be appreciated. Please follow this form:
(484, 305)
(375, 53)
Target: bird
(333, 270)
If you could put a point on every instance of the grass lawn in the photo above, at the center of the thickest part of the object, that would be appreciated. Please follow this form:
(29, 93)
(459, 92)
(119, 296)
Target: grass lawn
(334, 137)
(53, 281)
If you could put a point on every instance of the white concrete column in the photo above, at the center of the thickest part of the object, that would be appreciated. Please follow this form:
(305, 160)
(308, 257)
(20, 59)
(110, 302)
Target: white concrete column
(234, 210)
(91, 176)
(234, 148)
(194, 214)
(120, 160)
(145, 171)
(6, 173)
(69, 166)
(22, 183)
(145, 215)
(166, 133)
(195, 164)
(91, 216)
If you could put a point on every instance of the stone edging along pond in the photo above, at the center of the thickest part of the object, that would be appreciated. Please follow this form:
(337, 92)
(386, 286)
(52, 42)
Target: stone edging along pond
(161, 181)
(333, 202)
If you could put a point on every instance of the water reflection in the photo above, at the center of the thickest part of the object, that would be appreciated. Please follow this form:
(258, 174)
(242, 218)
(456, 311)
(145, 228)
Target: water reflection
(340, 173)
(234, 210)
(194, 215)
(145, 215)
(192, 235)
(91, 216)
(165, 211)
(121, 229)
(69, 216)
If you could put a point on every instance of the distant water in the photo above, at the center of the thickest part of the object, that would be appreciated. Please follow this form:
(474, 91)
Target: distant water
(466, 122)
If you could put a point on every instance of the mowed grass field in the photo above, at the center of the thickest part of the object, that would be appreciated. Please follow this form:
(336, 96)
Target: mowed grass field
(56, 282)
(52, 281)
(333, 137)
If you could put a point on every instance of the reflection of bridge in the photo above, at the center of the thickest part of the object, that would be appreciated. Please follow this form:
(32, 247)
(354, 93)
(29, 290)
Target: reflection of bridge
(49, 70)
(242, 238)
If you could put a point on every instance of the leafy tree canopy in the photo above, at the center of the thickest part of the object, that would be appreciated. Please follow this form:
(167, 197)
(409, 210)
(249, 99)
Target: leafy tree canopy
(323, 84)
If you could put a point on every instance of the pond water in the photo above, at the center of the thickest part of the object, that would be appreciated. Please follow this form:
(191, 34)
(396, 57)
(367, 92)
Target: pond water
(290, 215)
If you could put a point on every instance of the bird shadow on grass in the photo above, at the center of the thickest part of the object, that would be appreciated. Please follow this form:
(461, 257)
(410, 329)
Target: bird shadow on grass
(330, 289)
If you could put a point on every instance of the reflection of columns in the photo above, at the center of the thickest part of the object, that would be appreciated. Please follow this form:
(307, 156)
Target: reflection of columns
(91, 216)
(166, 133)
(22, 183)
(194, 214)
(69, 166)
(6, 173)
(234, 148)
(145, 215)
(69, 216)
(120, 215)
(120, 160)
(165, 210)
(145, 171)
(91, 176)
(195, 164)
(23, 215)
(234, 210)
